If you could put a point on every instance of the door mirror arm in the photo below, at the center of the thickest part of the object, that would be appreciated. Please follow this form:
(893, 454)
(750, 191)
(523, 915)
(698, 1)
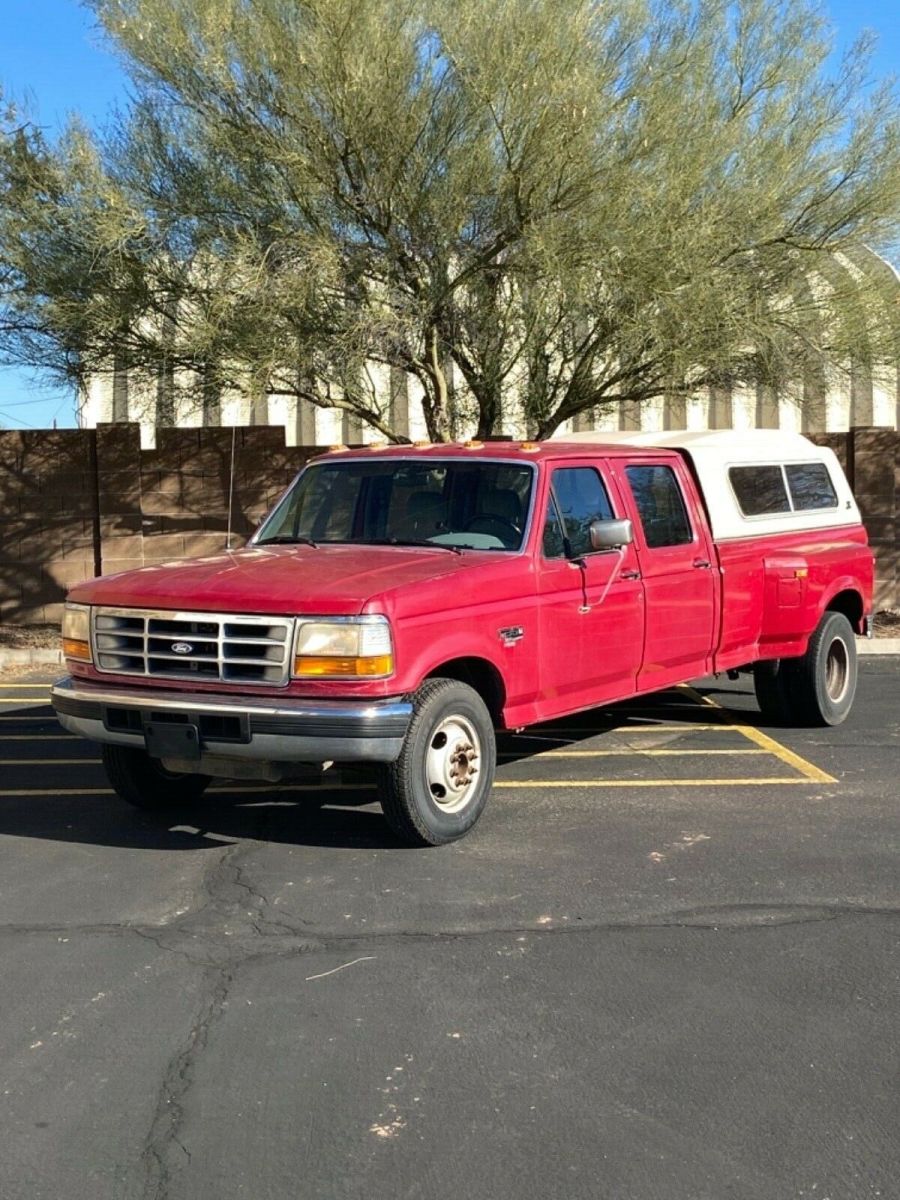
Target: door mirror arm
(577, 560)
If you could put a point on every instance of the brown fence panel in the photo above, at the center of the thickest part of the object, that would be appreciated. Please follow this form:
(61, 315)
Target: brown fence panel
(47, 520)
(77, 502)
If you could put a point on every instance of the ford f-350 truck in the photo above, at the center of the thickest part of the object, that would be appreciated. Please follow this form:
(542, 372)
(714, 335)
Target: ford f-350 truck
(401, 603)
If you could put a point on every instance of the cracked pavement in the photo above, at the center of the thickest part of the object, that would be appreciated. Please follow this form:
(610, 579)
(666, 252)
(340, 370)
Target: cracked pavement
(683, 994)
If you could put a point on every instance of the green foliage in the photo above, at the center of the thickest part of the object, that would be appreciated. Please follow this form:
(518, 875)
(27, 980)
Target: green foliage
(574, 203)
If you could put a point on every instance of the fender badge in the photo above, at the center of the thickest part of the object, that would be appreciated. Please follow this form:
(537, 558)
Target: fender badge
(511, 634)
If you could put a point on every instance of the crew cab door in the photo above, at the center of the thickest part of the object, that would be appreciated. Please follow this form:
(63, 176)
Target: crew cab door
(590, 602)
(677, 564)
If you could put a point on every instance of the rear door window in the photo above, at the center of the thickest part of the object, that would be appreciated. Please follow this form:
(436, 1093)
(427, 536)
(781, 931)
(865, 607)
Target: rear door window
(660, 505)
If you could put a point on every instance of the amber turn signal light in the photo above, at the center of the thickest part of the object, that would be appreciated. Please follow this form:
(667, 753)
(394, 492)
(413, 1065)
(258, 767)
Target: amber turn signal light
(311, 666)
(73, 648)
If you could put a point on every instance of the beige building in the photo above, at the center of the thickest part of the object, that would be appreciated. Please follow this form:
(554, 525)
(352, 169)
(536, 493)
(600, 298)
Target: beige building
(843, 397)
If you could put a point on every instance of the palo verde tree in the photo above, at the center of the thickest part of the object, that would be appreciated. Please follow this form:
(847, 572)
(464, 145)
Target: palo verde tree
(565, 204)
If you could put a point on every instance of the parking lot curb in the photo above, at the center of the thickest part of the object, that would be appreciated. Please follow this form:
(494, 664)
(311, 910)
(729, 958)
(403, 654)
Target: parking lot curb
(878, 645)
(29, 657)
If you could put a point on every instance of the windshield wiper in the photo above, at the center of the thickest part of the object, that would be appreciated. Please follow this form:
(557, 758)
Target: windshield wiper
(283, 539)
(411, 542)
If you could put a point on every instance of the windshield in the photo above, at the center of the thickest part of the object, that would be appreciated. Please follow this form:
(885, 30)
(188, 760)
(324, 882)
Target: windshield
(474, 505)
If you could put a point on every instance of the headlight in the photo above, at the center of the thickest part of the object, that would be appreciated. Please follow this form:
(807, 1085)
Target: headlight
(343, 649)
(76, 632)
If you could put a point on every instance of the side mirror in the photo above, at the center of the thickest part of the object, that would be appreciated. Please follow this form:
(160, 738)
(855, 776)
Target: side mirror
(610, 535)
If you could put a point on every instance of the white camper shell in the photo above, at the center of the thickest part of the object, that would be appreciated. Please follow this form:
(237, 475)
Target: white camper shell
(754, 482)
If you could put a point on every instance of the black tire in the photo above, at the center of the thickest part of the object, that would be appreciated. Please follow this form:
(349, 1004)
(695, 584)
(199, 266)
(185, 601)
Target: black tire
(771, 684)
(421, 803)
(822, 683)
(144, 782)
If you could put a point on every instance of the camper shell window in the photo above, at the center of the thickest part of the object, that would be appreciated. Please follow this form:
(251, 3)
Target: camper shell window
(764, 490)
(760, 490)
(810, 486)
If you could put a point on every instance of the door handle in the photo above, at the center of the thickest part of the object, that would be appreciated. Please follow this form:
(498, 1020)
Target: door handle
(629, 574)
(702, 564)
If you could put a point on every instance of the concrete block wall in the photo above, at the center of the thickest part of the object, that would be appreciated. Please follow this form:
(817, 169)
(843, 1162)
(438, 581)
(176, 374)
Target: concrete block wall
(870, 455)
(80, 502)
(876, 483)
(47, 503)
(185, 487)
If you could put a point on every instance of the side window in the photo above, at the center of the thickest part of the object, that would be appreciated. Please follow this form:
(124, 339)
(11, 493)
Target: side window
(660, 505)
(811, 486)
(580, 499)
(760, 490)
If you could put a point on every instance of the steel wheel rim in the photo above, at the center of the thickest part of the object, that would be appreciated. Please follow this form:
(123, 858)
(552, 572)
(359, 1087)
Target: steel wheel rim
(452, 763)
(837, 671)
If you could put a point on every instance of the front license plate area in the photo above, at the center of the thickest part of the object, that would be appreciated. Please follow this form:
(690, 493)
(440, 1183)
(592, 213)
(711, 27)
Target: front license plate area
(165, 739)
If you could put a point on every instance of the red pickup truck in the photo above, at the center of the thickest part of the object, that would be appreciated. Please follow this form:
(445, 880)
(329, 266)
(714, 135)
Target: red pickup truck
(401, 603)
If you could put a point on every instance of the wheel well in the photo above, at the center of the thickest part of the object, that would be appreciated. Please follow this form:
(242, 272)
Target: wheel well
(850, 604)
(480, 675)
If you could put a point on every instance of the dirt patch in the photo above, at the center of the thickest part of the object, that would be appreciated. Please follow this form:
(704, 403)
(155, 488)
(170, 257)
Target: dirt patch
(887, 623)
(29, 637)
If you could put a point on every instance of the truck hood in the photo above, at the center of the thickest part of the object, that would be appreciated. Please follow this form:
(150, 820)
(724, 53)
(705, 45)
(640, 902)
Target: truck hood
(277, 580)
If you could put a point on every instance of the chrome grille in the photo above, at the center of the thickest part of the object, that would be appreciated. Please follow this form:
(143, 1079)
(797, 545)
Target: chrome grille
(198, 646)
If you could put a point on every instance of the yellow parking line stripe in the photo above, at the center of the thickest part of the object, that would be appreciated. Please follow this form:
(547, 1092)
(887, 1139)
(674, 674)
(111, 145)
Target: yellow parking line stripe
(46, 762)
(643, 783)
(541, 754)
(813, 773)
(273, 790)
(23, 699)
(4, 687)
(32, 719)
(37, 737)
(508, 784)
(4, 795)
(619, 730)
(278, 790)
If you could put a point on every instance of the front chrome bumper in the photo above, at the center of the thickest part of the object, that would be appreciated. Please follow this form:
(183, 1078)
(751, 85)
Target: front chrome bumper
(248, 727)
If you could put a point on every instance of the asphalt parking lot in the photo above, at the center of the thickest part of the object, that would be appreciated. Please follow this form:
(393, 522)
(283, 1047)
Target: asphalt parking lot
(665, 964)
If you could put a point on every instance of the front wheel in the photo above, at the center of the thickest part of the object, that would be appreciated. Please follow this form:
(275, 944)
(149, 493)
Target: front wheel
(823, 682)
(438, 787)
(144, 782)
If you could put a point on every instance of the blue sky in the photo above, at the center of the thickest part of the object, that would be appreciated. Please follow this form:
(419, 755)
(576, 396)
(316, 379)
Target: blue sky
(50, 51)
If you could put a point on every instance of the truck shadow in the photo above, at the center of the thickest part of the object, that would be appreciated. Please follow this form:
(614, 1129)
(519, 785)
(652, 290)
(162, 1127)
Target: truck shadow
(341, 812)
(664, 709)
(332, 819)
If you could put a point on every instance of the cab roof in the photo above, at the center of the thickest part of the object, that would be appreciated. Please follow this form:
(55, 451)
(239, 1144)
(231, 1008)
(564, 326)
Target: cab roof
(519, 450)
(711, 453)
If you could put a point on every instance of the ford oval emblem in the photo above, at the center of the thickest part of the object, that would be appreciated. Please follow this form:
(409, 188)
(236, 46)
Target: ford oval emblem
(182, 648)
